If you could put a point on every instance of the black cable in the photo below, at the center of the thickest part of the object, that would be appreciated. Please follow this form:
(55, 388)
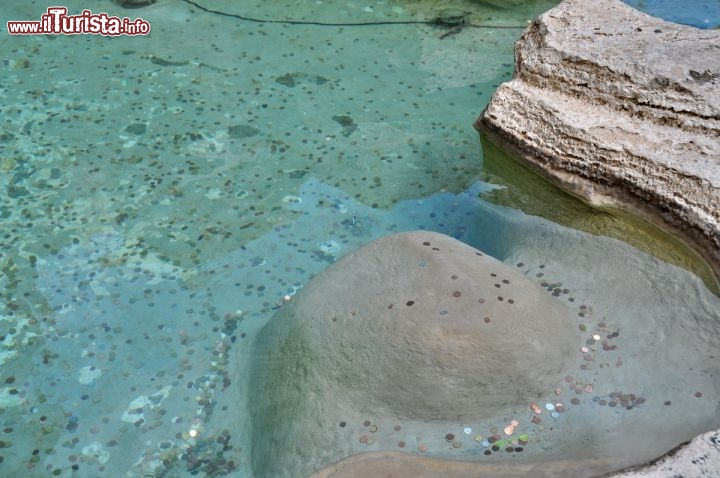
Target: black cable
(436, 21)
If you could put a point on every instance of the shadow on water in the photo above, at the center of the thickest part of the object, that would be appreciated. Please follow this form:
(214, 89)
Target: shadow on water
(525, 190)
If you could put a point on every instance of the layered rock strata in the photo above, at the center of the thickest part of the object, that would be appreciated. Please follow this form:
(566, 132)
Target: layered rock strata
(621, 109)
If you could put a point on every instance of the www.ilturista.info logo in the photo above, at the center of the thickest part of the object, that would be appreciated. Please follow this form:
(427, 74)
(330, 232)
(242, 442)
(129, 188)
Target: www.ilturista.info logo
(56, 21)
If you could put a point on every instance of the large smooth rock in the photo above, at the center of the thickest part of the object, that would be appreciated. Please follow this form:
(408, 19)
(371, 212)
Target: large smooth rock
(622, 109)
(415, 327)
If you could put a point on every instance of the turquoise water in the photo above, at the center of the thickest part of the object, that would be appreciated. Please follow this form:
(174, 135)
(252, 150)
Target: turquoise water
(697, 13)
(164, 194)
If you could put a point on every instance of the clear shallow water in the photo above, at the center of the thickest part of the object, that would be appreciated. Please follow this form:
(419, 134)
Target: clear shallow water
(164, 193)
(697, 13)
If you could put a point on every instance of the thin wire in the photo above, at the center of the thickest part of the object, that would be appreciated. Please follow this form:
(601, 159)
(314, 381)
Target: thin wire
(436, 21)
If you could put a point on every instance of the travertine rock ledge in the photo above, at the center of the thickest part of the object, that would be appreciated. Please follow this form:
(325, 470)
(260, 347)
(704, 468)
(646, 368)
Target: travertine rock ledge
(622, 109)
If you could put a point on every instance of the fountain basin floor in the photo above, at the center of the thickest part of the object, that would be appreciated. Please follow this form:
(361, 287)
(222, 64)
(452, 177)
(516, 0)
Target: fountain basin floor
(162, 196)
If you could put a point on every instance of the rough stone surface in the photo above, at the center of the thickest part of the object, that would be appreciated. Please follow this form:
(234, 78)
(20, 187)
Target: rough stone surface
(413, 327)
(622, 109)
(698, 459)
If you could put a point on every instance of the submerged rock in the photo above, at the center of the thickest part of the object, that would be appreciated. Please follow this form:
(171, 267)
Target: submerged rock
(415, 327)
(622, 109)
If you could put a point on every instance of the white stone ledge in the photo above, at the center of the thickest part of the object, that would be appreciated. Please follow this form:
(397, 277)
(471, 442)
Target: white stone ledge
(621, 109)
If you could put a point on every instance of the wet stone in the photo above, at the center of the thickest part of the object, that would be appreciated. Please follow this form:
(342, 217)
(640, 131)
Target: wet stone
(241, 131)
(293, 79)
(136, 128)
(347, 123)
(368, 364)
